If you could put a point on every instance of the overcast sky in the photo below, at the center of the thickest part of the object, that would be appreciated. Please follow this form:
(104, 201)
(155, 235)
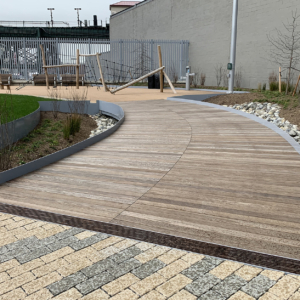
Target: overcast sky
(34, 10)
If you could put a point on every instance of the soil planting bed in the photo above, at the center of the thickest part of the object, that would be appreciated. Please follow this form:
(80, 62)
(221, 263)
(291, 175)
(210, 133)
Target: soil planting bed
(47, 138)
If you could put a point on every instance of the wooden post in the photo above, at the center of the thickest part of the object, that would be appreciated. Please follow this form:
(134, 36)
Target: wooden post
(279, 79)
(161, 72)
(296, 86)
(101, 73)
(77, 69)
(170, 82)
(136, 80)
(44, 63)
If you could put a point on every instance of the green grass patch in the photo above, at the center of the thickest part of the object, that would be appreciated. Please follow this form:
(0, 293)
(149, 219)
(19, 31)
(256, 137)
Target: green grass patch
(19, 106)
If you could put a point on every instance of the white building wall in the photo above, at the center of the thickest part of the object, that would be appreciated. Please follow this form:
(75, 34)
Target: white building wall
(207, 25)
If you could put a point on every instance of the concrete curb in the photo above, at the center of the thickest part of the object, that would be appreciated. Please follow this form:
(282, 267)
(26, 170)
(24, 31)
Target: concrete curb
(263, 122)
(110, 109)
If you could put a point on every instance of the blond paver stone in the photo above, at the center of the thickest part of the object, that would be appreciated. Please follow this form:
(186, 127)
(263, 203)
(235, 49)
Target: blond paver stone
(34, 225)
(74, 267)
(46, 233)
(125, 295)
(296, 296)
(41, 282)
(173, 285)
(7, 240)
(144, 246)
(183, 295)
(151, 254)
(88, 252)
(9, 265)
(85, 234)
(273, 275)
(17, 219)
(71, 294)
(268, 296)
(4, 277)
(21, 223)
(6, 222)
(153, 295)
(16, 282)
(192, 258)
(241, 296)
(120, 284)
(48, 226)
(173, 269)
(53, 266)
(225, 269)
(108, 252)
(285, 287)
(5, 217)
(248, 272)
(97, 295)
(149, 283)
(107, 242)
(171, 256)
(43, 294)
(25, 267)
(3, 229)
(126, 243)
(17, 294)
(57, 254)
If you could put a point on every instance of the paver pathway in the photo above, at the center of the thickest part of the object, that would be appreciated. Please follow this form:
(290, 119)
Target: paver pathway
(41, 261)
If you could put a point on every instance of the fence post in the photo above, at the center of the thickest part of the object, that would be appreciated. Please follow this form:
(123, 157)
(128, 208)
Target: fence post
(181, 57)
(25, 58)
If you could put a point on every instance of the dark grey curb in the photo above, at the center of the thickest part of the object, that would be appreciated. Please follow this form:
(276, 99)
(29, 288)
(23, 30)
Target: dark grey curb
(263, 122)
(110, 109)
(21, 127)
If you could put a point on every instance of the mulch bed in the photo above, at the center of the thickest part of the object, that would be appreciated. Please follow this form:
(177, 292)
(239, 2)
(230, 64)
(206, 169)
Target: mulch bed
(47, 138)
(291, 112)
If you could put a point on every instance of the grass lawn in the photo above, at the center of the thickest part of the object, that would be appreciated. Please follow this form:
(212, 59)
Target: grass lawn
(18, 106)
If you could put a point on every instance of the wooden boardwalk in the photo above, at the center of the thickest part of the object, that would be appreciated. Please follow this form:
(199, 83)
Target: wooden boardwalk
(181, 169)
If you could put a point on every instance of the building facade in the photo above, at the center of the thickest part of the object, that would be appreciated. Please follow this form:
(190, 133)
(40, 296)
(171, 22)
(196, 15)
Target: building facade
(207, 25)
(122, 5)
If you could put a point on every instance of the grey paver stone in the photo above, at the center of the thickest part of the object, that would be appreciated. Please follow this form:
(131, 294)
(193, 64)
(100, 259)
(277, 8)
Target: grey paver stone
(99, 267)
(211, 295)
(198, 269)
(230, 286)
(43, 242)
(3, 250)
(95, 282)
(125, 267)
(21, 243)
(126, 254)
(80, 244)
(202, 285)
(14, 253)
(66, 283)
(31, 255)
(258, 286)
(213, 260)
(62, 243)
(148, 268)
(67, 233)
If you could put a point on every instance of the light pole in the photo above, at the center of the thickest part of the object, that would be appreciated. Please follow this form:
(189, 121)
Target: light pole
(78, 21)
(51, 9)
(231, 65)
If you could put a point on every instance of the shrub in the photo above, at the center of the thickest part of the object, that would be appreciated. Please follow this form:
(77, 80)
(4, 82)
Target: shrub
(264, 87)
(273, 77)
(259, 87)
(202, 79)
(274, 86)
(71, 126)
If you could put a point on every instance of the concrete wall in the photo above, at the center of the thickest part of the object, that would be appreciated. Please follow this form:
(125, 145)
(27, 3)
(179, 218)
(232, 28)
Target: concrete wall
(207, 25)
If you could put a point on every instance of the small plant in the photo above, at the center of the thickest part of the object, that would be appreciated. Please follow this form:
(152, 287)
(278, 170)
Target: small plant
(219, 70)
(71, 126)
(238, 78)
(259, 87)
(54, 94)
(273, 77)
(274, 86)
(264, 87)
(202, 79)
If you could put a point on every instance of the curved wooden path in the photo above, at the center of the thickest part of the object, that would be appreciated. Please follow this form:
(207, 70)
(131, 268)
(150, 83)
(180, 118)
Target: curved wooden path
(181, 169)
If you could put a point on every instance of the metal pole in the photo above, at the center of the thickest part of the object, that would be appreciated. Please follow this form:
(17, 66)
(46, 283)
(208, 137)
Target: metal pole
(233, 46)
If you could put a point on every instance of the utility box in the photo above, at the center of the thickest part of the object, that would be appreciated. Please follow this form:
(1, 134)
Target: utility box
(154, 81)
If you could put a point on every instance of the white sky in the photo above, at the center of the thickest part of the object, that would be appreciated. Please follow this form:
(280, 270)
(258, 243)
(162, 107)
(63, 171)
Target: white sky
(36, 10)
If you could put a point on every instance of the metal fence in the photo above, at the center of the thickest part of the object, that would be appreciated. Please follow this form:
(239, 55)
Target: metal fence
(121, 59)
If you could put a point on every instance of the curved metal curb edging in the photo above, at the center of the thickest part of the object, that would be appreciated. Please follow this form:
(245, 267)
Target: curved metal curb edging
(110, 109)
(263, 122)
(21, 127)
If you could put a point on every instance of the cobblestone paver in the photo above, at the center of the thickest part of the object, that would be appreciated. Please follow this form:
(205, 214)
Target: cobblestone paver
(41, 261)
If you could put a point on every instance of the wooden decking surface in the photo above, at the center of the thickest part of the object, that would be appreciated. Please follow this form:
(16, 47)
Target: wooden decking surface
(180, 169)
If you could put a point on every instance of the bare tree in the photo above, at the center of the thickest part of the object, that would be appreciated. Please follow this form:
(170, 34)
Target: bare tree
(219, 73)
(173, 73)
(142, 60)
(203, 79)
(54, 95)
(225, 78)
(238, 77)
(285, 46)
